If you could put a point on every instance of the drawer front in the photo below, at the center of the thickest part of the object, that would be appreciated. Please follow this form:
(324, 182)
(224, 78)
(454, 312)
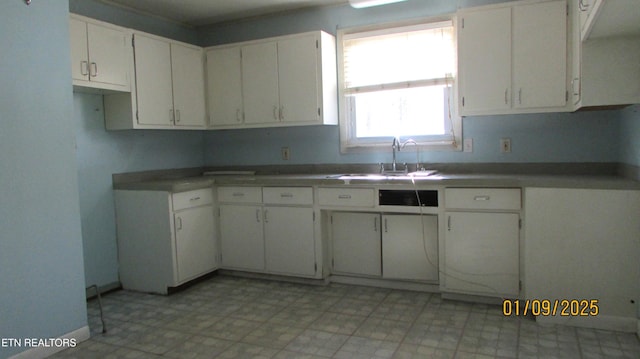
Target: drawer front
(240, 194)
(483, 198)
(288, 195)
(348, 197)
(199, 197)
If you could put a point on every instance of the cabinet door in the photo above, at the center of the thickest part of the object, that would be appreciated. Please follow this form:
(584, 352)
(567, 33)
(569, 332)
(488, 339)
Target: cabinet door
(79, 50)
(289, 241)
(187, 69)
(584, 243)
(224, 79)
(356, 243)
(299, 79)
(485, 60)
(410, 247)
(195, 242)
(540, 55)
(241, 237)
(153, 81)
(481, 252)
(260, 83)
(108, 60)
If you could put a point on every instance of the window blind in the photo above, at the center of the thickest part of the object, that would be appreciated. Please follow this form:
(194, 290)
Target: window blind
(403, 57)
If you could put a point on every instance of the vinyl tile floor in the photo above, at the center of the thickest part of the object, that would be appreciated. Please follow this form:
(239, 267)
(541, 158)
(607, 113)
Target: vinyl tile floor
(231, 317)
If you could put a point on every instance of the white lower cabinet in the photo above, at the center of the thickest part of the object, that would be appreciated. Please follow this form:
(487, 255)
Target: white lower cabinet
(194, 241)
(481, 253)
(481, 248)
(356, 243)
(410, 247)
(391, 246)
(270, 229)
(241, 237)
(289, 240)
(164, 239)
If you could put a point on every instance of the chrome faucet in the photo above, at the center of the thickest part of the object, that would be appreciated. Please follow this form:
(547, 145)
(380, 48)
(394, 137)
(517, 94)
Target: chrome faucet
(396, 146)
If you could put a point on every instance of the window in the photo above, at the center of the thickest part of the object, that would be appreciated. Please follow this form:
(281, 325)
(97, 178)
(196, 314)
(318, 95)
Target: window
(398, 82)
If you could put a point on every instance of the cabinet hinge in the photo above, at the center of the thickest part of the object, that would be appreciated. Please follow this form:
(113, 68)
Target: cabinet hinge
(315, 267)
(314, 216)
(566, 96)
(318, 111)
(463, 23)
(331, 219)
(520, 223)
(317, 44)
(462, 101)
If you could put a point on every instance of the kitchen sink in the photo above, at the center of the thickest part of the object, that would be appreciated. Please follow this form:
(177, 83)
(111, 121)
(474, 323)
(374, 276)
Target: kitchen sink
(383, 175)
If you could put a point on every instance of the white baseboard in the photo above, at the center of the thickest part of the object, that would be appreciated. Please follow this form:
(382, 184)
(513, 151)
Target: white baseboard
(79, 335)
(606, 322)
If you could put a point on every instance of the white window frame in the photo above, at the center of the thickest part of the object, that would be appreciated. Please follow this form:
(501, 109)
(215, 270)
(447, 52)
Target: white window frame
(348, 141)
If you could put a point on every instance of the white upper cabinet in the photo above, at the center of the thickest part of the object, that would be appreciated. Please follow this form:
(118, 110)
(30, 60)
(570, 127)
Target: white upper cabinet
(284, 81)
(224, 79)
(169, 88)
(187, 73)
(260, 83)
(100, 54)
(513, 59)
(540, 55)
(153, 81)
(298, 79)
(485, 61)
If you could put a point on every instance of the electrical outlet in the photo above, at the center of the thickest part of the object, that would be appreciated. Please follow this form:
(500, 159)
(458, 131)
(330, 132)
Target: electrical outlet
(284, 151)
(505, 145)
(467, 145)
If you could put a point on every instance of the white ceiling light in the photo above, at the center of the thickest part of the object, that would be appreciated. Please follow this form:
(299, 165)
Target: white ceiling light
(358, 4)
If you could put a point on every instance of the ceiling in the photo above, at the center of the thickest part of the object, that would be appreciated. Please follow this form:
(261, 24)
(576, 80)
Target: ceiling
(205, 12)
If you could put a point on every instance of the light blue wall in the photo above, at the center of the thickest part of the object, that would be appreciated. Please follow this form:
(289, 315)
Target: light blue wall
(42, 281)
(556, 137)
(630, 136)
(102, 153)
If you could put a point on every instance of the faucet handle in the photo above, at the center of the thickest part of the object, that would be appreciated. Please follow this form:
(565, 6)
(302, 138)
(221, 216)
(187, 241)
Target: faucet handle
(381, 167)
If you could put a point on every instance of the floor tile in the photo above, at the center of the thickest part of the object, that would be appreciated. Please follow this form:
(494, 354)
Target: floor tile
(317, 342)
(364, 348)
(231, 317)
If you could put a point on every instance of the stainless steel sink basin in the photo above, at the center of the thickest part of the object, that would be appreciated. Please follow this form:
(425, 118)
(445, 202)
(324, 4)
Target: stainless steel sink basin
(383, 175)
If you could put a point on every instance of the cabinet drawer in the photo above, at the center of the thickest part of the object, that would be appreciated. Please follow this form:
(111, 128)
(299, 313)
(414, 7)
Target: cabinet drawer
(482, 198)
(287, 195)
(194, 198)
(240, 194)
(351, 197)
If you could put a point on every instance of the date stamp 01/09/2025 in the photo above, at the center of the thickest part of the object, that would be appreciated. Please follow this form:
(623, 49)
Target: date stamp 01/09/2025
(551, 307)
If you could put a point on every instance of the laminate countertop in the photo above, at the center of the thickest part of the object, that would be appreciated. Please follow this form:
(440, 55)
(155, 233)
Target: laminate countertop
(436, 180)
